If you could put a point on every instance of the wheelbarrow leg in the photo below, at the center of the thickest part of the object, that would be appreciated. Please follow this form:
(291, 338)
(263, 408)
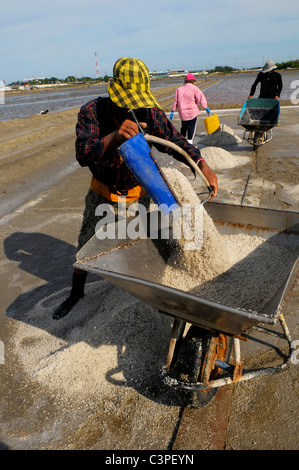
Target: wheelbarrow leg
(177, 331)
(257, 139)
(238, 363)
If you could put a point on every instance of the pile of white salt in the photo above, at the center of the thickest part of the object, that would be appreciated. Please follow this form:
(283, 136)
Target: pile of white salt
(237, 270)
(220, 159)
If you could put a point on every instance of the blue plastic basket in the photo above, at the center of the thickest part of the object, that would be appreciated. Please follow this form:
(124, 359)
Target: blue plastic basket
(137, 155)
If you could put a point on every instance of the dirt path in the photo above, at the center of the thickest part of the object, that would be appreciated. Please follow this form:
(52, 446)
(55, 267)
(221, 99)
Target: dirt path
(34, 150)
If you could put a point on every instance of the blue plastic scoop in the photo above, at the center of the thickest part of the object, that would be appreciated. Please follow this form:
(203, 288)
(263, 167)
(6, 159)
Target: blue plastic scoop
(138, 156)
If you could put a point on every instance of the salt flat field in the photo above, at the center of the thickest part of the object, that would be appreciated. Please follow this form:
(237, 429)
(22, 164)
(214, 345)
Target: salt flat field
(223, 89)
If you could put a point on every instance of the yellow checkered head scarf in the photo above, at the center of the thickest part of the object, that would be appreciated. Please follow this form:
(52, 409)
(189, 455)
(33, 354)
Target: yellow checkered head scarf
(130, 87)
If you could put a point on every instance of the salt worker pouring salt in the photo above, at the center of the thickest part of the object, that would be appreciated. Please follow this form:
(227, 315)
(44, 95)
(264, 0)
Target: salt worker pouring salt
(103, 125)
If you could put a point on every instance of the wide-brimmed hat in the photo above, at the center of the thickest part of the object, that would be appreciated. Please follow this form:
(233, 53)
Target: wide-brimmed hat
(130, 87)
(189, 76)
(269, 65)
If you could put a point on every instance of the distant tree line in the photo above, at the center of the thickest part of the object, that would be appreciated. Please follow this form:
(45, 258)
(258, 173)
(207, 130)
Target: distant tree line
(222, 69)
(54, 80)
(292, 64)
(72, 79)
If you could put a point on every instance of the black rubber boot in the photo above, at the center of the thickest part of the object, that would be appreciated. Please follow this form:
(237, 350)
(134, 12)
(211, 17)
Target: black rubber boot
(77, 292)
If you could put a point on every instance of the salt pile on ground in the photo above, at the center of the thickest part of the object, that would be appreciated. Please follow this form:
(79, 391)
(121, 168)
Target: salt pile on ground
(109, 340)
(220, 159)
(223, 136)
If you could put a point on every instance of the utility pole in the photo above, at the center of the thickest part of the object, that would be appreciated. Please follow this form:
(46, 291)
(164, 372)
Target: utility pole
(97, 66)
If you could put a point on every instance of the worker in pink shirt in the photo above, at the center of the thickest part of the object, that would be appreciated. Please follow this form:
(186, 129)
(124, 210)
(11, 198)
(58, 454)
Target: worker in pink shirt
(187, 99)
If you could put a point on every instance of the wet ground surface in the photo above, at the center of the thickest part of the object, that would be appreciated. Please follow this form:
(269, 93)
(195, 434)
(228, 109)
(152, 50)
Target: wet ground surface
(44, 406)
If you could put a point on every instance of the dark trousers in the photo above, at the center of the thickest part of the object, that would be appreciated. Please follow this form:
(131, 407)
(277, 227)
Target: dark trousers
(188, 128)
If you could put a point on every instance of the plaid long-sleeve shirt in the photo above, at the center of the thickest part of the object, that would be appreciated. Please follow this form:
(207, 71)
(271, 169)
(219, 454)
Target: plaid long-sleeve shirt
(95, 121)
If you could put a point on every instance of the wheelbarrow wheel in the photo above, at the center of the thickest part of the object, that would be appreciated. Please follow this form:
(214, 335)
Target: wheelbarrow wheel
(257, 139)
(194, 364)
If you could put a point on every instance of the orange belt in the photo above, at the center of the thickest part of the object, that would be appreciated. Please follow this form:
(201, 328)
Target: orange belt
(102, 189)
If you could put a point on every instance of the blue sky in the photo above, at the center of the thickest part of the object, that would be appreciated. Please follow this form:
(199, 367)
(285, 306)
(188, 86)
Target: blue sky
(59, 38)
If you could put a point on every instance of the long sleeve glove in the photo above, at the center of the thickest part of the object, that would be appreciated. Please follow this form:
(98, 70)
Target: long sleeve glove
(171, 115)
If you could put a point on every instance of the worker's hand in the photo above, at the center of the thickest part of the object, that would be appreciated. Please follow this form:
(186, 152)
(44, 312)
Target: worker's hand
(276, 97)
(171, 115)
(210, 175)
(249, 97)
(127, 130)
(208, 111)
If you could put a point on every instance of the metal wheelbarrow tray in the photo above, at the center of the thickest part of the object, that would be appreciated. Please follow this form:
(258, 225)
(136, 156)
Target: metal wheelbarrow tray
(137, 266)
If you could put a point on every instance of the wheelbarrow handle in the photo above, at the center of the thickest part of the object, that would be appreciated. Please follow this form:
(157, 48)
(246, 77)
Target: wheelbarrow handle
(167, 143)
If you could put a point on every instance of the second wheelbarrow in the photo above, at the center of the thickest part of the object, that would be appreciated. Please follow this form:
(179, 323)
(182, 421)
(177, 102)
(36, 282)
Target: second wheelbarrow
(258, 116)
